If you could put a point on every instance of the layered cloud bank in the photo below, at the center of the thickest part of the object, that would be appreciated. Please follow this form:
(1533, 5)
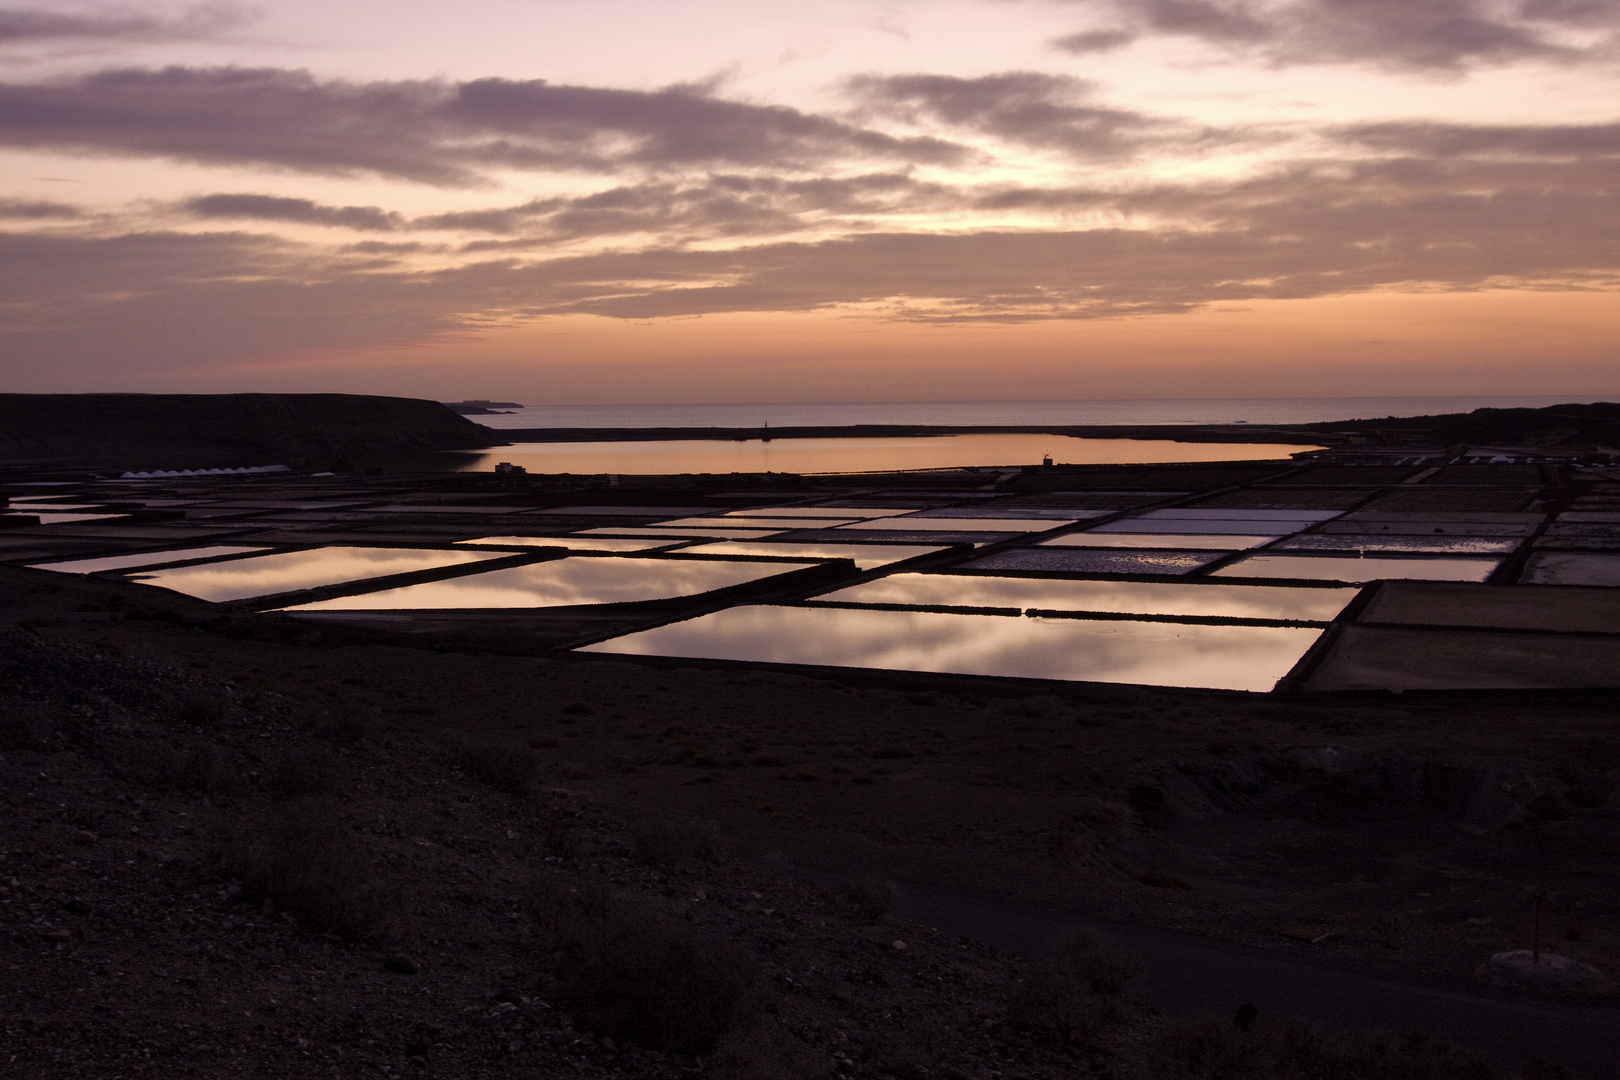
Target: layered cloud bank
(203, 217)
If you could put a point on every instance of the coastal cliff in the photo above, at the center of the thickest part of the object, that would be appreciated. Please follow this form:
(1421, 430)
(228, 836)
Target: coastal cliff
(224, 429)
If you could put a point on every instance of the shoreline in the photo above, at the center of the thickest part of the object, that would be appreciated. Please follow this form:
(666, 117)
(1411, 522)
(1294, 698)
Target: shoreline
(1205, 433)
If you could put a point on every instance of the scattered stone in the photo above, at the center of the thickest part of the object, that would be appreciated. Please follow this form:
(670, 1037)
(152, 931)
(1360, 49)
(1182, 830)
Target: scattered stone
(1311, 935)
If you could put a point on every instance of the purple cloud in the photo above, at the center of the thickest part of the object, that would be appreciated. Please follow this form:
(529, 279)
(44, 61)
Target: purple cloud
(30, 24)
(427, 131)
(1437, 36)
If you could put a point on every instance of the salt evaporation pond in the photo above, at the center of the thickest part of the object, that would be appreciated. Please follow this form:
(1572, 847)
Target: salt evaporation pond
(1431, 545)
(573, 543)
(288, 571)
(1113, 651)
(148, 558)
(1358, 571)
(1192, 541)
(865, 556)
(854, 455)
(1279, 603)
(561, 583)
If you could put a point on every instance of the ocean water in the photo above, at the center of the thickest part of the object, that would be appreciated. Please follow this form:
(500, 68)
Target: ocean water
(856, 455)
(1012, 413)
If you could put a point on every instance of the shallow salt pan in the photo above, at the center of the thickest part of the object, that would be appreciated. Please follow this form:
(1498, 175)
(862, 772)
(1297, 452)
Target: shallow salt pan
(917, 523)
(1186, 541)
(1096, 561)
(574, 543)
(1025, 513)
(1357, 571)
(1274, 602)
(563, 582)
(1193, 513)
(727, 533)
(1114, 651)
(266, 575)
(147, 558)
(865, 556)
(1437, 545)
(754, 522)
(1560, 568)
(1204, 526)
(847, 512)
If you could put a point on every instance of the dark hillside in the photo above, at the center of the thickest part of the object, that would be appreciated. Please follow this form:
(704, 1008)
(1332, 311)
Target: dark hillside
(1597, 424)
(150, 430)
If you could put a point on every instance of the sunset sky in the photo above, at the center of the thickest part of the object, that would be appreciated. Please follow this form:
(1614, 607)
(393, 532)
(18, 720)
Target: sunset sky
(576, 201)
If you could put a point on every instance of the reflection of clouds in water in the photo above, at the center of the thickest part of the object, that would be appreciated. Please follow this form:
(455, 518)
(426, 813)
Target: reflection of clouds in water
(865, 556)
(1125, 597)
(916, 523)
(265, 575)
(1160, 654)
(562, 582)
(148, 558)
(575, 542)
(758, 522)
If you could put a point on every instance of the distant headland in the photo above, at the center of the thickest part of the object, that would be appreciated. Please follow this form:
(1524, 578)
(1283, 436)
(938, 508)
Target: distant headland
(224, 429)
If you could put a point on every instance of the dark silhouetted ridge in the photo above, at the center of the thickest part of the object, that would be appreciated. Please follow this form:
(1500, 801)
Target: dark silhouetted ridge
(224, 429)
(1556, 425)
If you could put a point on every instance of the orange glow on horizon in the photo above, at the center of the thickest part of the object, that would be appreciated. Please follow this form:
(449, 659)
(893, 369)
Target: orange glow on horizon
(1491, 342)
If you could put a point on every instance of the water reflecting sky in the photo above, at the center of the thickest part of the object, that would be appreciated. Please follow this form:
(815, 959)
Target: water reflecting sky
(756, 522)
(149, 558)
(576, 543)
(1122, 597)
(265, 575)
(563, 582)
(846, 512)
(858, 455)
(726, 533)
(1358, 570)
(1202, 526)
(1193, 541)
(1154, 654)
(917, 523)
(866, 556)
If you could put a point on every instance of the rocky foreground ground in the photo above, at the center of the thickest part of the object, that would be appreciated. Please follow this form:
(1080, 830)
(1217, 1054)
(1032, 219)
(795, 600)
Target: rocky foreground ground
(243, 850)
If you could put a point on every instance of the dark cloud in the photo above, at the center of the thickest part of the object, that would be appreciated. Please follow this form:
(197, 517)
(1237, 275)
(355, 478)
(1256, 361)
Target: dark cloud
(1443, 36)
(501, 219)
(156, 300)
(1033, 108)
(1549, 142)
(32, 24)
(36, 210)
(718, 206)
(1095, 41)
(1393, 206)
(428, 131)
(303, 211)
